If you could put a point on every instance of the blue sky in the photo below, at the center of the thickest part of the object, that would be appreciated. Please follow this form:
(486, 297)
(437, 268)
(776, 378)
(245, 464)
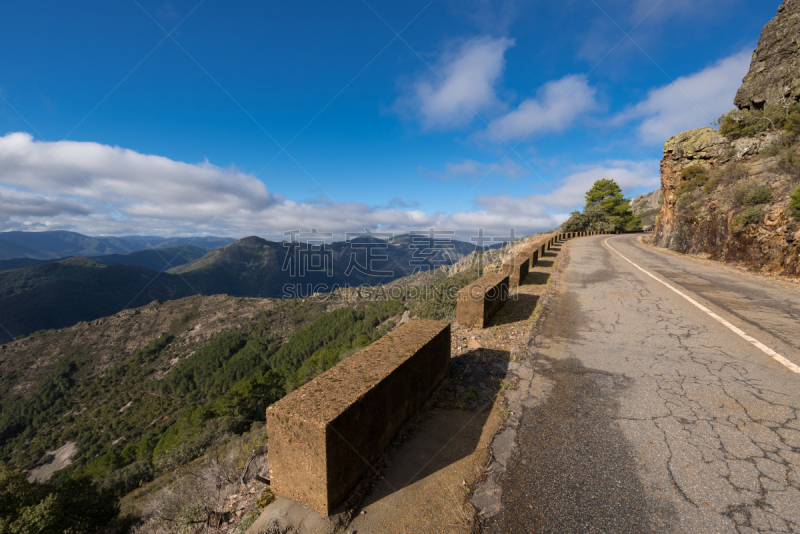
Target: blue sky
(239, 118)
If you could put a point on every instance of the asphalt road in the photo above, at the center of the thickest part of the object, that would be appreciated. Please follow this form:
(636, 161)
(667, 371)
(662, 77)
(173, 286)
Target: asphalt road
(661, 419)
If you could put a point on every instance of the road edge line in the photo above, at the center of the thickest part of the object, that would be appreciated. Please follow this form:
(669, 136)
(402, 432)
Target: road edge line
(753, 341)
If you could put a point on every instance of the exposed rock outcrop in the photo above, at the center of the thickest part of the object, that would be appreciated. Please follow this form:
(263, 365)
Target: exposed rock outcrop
(703, 146)
(708, 221)
(773, 75)
(734, 206)
(647, 202)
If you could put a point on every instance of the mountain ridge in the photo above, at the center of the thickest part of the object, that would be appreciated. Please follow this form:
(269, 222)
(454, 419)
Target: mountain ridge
(62, 243)
(59, 294)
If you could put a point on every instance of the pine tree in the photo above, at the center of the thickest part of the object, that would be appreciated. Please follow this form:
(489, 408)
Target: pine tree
(607, 194)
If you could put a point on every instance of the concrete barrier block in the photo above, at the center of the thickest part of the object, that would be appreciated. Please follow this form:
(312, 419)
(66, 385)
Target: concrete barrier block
(531, 252)
(479, 301)
(324, 436)
(516, 269)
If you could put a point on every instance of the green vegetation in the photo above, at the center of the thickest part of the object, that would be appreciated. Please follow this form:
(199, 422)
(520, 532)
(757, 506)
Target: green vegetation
(323, 344)
(33, 299)
(156, 259)
(12, 282)
(693, 177)
(76, 506)
(160, 407)
(794, 204)
(606, 209)
(710, 186)
(438, 300)
(752, 214)
(695, 173)
(760, 195)
(789, 162)
(749, 123)
(772, 149)
(750, 193)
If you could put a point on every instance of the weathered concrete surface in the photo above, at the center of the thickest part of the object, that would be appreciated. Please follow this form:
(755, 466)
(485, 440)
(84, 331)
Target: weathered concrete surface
(516, 269)
(479, 301)
(324, 436)
(542, 247)
(660, 419)
(529, 252)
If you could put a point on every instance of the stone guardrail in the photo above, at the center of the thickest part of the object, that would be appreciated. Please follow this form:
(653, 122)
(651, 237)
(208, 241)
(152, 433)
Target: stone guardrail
(516, 269)
(530, 251)
(324, 436)
(480, 300)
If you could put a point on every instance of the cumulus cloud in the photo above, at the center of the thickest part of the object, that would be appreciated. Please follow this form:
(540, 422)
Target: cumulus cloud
(558, 105)
(690, 101)
(103, 190)
(475, 170)
(465, 85)
(632, 176)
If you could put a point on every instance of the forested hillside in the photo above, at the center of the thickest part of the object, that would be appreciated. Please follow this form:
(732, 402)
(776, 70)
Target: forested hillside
(62, 293)
(149, 410)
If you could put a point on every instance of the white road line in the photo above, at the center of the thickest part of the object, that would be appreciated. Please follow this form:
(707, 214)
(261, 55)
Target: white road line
(753, 341)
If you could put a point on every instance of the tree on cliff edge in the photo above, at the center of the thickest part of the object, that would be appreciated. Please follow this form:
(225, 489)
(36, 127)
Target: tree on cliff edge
(606, 209)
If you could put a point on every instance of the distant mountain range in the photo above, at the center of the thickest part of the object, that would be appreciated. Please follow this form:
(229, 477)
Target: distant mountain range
(61, 293)
(63, 244)
(159, 259)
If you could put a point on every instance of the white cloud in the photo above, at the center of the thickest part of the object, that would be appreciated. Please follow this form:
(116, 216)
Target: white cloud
(690, 101)
(465, 85)
(475, 170)
(558, 104)
(72, 188)
(631, 176)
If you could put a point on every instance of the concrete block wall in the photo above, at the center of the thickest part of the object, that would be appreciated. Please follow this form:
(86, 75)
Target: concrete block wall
(324, 436)
(516, 269)
(480, 300)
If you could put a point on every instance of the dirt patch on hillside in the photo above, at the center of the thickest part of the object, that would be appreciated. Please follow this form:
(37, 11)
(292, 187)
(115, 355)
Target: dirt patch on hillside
(62, 458)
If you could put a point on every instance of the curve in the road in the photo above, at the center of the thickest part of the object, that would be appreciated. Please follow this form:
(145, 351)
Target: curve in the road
(750, 339)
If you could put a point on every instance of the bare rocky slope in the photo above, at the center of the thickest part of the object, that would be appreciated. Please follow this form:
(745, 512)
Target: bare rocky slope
(729, 197)
(648, 206)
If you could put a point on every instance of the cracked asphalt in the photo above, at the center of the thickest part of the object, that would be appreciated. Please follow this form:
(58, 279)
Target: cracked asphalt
(660, 419)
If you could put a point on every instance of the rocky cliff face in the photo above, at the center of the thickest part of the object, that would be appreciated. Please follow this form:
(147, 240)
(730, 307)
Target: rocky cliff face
(773, 76)
(710, 212)
(729, 199)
